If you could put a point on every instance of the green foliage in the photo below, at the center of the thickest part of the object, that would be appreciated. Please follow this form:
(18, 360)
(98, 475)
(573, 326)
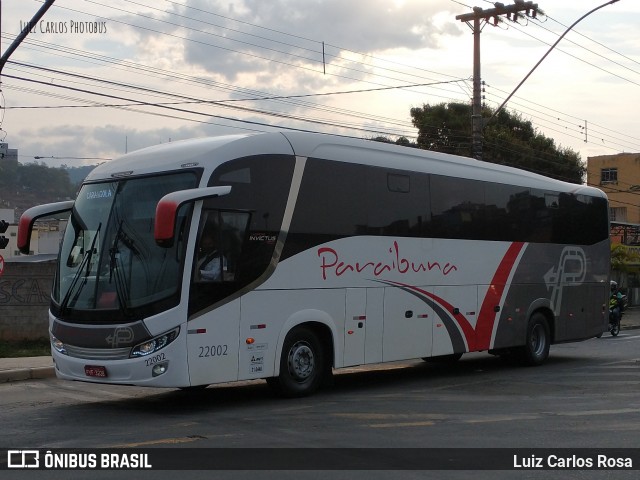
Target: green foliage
(25, 348)
(404, 141)
(8, 173)
(52, 182)
(622, 257)
(508, 140)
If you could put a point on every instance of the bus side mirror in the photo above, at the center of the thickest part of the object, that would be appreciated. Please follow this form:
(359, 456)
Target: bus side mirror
(168, 206)
(28, 218)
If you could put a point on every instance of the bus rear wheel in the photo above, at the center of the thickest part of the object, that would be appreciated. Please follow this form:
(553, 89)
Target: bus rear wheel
(538, 341)
(301, 364)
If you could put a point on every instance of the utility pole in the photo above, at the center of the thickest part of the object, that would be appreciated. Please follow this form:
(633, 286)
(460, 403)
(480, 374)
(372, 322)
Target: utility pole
(513, 12)
(25, 31)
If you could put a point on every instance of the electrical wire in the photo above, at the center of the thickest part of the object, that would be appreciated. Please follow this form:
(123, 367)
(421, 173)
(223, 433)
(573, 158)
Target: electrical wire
(151, 103)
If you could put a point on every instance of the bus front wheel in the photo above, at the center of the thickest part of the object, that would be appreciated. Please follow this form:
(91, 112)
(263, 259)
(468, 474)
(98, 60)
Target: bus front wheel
(538, 341)
(301, 364)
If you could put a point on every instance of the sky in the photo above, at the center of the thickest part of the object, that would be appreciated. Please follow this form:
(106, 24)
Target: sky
(98, 78)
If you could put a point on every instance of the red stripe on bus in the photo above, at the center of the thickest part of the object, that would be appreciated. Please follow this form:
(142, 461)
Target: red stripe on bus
(488, 316)
(466, 327)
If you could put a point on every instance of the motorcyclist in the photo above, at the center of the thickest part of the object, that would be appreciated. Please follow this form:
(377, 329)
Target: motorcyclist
(616, 303)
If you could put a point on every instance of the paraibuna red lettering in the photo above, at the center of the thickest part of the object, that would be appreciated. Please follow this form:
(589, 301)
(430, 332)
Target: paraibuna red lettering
(332, 264)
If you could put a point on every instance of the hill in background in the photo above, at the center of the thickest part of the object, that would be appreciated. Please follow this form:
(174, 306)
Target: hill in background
(24, 185)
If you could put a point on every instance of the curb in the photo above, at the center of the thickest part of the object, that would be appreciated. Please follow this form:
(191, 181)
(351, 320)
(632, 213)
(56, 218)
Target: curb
(19, 374)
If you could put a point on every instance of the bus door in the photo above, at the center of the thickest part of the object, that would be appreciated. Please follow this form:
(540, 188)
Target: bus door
(212, 345)
(363, 326)
(458, 315)
(355, 331)
(407, 325)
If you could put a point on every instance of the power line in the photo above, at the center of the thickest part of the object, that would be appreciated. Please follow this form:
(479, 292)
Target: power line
(183, 99)
(182, 110)
(181, 77)
(581, 59)
(597, 42)
(266, 96)
(252, 55)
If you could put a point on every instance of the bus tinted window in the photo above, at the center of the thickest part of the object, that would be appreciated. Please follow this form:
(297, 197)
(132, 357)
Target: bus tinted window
(457, 207)
(331, 204)
(398, 203)
(505, 208)
(246, 224)
(340, 200)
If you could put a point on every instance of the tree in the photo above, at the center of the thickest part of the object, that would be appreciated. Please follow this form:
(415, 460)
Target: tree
(623, 258)
(8, 173)
(508, 140)
(404, 141)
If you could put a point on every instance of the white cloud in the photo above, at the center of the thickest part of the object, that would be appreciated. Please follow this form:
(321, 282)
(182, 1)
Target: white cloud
(275, 47)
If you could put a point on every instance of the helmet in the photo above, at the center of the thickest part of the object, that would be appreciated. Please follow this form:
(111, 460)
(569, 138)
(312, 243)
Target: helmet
(614, 286)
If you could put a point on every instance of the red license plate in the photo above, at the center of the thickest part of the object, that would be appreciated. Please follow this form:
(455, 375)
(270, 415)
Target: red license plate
(95, 371)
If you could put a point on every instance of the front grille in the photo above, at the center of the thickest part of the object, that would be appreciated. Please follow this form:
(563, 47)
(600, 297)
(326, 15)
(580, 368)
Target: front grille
(98, 353)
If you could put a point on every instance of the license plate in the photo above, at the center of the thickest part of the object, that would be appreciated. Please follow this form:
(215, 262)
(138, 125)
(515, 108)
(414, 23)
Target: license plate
(95, 371)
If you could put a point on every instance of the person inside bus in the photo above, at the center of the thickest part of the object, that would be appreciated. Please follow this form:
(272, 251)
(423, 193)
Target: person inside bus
(212, 263)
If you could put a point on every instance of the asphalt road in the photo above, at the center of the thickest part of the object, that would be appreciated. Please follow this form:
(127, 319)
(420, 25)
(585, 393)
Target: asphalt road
(585, 396)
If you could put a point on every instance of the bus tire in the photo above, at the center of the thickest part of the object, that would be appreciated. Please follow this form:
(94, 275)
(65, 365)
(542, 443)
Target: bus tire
(301, 364)
(538, 341)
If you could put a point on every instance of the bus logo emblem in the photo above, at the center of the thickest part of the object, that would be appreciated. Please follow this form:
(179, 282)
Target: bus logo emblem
(571, 270)
(120, 336)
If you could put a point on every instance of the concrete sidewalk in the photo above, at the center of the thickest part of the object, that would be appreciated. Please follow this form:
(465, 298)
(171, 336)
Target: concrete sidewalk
(33, 368)
(25, 368)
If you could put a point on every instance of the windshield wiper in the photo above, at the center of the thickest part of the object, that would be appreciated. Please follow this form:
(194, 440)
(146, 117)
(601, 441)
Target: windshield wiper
(86, 261)
(116, 265)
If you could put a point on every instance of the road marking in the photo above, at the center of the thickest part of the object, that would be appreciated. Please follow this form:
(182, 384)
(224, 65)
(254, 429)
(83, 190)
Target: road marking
(504, 418)
(401, 424)
(591, 413)
(161, 441)
(408, 420)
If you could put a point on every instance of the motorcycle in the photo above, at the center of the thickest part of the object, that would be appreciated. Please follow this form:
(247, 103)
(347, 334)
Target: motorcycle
(614, 326)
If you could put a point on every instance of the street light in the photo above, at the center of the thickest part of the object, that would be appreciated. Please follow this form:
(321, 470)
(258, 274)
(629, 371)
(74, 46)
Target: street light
(545, 56)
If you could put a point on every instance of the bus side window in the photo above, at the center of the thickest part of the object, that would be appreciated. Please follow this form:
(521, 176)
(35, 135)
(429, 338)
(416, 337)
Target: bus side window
(211, 262)
(220, 245)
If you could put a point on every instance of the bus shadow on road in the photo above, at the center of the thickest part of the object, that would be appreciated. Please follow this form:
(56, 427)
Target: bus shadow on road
(384, 379)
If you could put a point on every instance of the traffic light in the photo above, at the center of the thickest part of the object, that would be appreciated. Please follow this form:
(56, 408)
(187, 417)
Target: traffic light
(4, 241)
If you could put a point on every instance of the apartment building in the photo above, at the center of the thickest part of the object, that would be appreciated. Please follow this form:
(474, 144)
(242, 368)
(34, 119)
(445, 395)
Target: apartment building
(619, 177)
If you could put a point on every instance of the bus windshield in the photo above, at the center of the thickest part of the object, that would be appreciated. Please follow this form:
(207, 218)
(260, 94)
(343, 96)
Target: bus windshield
(109, 259)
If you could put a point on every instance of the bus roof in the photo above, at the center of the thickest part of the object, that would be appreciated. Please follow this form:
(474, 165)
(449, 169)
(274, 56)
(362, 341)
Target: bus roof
(212, 151)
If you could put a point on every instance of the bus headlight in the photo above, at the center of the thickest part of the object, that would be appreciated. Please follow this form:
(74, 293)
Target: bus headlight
(155, 344)
(159, 369)
(58, 346)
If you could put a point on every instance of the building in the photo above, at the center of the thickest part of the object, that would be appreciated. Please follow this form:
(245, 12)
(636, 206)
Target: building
(45, 238)
(619, 177)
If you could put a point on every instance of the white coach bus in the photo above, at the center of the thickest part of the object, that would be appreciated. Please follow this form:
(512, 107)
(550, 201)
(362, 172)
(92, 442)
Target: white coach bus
(285, 255)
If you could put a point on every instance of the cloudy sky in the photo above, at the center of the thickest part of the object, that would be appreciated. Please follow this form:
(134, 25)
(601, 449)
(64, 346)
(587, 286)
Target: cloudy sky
(97, 78)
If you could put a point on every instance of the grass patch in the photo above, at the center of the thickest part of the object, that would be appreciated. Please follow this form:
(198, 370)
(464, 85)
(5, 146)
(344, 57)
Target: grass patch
(25, 348)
